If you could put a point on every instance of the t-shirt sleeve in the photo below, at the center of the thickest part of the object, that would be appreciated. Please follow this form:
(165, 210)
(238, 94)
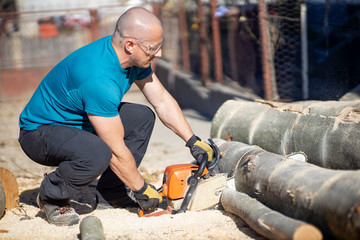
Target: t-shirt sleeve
(101, 99)
(143, 73)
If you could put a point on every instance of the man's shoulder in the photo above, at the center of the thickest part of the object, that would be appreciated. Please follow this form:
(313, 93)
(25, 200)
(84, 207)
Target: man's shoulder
(90, 59)
(93, 48)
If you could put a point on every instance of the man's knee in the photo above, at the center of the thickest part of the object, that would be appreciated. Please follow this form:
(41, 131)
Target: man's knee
(137, 118)
(97, 155)
(147, 115)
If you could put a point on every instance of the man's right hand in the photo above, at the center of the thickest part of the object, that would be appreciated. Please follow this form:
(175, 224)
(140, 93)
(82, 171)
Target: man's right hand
(147, 197)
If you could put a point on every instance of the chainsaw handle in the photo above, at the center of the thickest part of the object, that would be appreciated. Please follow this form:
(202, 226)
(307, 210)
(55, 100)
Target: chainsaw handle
(216, 157)
(210, 165)
(200, 170)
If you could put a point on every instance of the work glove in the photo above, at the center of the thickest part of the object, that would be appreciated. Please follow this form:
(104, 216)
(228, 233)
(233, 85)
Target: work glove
(147, 197)
(199, 149)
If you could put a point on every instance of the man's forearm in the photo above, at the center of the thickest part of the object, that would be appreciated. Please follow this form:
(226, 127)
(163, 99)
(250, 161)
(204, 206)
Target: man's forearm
(110, 129)
(171, 115)
(125, 168)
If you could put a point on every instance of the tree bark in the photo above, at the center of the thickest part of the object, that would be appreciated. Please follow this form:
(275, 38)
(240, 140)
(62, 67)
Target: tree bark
(266, 222)
(327, 132)
(328, 199)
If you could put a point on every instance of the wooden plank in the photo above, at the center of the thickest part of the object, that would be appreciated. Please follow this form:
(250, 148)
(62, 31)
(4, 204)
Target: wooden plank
(10, 186)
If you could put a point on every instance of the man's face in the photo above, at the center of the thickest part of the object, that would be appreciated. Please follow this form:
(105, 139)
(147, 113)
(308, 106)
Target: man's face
(150, 51)
(147, 50)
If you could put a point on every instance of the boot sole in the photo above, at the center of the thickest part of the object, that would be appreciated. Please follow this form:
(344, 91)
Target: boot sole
(57, 223)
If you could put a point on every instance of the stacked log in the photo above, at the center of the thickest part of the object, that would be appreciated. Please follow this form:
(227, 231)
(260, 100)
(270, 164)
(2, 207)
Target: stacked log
(328, 199)
(327, 132)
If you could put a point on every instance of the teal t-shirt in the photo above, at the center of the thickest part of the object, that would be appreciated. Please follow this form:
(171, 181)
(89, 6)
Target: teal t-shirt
(89, 80)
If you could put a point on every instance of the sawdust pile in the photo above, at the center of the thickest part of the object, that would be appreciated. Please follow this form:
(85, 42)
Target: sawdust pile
(27, 222)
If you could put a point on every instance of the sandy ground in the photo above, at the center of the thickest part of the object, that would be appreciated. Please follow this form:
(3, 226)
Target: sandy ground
(165, 148)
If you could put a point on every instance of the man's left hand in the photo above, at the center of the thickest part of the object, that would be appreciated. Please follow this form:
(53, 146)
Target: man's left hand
(199, 149)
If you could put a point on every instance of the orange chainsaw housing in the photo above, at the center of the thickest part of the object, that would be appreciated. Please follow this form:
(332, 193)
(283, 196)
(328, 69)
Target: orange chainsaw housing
(175, 180)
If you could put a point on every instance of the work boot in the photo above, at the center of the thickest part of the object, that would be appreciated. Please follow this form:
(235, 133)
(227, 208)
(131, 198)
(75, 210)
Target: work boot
(58, 212)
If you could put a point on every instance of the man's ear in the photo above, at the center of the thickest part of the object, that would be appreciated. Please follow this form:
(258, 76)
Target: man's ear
(129, 46)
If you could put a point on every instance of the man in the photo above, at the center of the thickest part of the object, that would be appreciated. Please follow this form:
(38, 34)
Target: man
(75, 120)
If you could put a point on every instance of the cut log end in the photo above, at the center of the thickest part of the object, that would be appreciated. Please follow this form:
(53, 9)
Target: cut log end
(2, 200)
(91, 228)
(10, 186)
(307, 232)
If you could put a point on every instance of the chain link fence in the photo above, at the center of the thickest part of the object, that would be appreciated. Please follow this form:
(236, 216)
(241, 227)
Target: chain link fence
(310, 44)
(241, 42)
(284, 25)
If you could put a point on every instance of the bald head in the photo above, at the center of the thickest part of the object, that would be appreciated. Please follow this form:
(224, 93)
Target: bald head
(136, 22)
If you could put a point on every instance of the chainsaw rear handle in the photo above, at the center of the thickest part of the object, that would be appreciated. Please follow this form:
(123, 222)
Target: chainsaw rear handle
(216, 156)
(204, 163)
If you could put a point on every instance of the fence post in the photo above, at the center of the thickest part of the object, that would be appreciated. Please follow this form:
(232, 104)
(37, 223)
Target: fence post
(204, 55)
(156, 11)
(270, 88)
(233, 25)
(304, 51)
(184, 36)
(216, 43)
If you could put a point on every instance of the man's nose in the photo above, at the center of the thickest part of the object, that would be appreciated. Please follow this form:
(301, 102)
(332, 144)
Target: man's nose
(158, 53)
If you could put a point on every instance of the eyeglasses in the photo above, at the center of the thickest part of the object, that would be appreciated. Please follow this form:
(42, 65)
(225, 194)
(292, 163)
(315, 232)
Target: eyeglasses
(151, 49)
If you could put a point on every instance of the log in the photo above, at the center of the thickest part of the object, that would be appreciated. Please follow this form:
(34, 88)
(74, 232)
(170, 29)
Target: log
(10, 186)
(326, 198)
(353, 95)
(327, 132)
(91, 229)
(2, 201)
(265, 221)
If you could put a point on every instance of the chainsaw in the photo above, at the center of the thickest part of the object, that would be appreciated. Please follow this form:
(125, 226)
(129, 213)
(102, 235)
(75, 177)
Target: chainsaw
(181, 183)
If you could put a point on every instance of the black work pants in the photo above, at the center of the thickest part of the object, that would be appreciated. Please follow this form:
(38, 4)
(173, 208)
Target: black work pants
(82, 156)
